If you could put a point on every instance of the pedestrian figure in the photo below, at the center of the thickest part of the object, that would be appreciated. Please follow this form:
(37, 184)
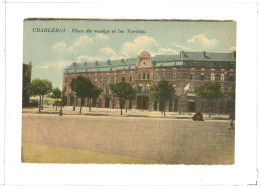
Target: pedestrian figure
(231, 125)
(60, 111)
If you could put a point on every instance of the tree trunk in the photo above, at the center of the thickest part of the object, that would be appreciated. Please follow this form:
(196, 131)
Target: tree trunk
(209, 109)
(80, 105)
(74, 102)
(164, 107)
(126, 107)
(90, 104)
(42, 103)
(40, 100)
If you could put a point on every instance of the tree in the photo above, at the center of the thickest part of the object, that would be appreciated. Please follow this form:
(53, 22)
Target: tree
(56, 94)
(210, 91)
(124, 91)
(94, 93)
(231, 95)
(82, 87)
(40, 88)
(163, 91)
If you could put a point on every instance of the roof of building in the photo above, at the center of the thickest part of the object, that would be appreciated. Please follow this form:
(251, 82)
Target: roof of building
(208, 56)
(157, 61)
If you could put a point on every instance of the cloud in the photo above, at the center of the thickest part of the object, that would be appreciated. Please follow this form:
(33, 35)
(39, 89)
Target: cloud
(84, 58)
(101, 36)
(233, 48)
(138, 44)
(107, 50)
(82, 41)
(182, 47)
(167, 51)
(201, 42)
(59, 47)
(60, 64)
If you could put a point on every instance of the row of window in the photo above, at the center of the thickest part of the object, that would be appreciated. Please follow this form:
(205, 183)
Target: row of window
(140, 88)
(163, 77)
(131, 79)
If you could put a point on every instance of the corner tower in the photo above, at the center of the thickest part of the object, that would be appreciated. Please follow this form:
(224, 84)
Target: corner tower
(144, 60)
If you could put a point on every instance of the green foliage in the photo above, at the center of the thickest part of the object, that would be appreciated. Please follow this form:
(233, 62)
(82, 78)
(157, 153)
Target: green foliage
(122, 90)
(162, 91)
(95, 92)
(231, 93)
(82, 86)
(39, 87)
(56, 93)
(210, 91)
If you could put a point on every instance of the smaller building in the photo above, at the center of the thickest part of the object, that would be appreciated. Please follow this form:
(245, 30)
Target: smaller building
(27, 70)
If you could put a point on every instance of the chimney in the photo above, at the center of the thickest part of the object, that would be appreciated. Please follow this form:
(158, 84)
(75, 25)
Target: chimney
(109, 62)
(122, 60)
(234, 54)
(74, 64)
(96, 63)
(204, 53)
(85, 64)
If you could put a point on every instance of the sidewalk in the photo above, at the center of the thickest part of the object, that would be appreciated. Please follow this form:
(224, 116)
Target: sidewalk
(68, 110)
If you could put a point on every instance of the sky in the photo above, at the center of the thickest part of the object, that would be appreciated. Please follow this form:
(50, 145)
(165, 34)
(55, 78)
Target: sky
(91, 40)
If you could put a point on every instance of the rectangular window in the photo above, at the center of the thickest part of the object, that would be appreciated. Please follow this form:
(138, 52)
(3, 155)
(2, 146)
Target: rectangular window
(174, 76)
(123, 78)
(202, 77)
(231, 77)
(163, 76)
(139, 88)
(101, 79)
(191, 89)
(66, 80)
(114, 79)
(192, 76)
(146, 88)
(157, 76)
(108, 79)
(222, 77)
(95, 80)
(131, 78)
(107, 90)
(212, 77)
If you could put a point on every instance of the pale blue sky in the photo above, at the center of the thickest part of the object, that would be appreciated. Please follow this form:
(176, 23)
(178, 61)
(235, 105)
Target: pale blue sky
(50, 52)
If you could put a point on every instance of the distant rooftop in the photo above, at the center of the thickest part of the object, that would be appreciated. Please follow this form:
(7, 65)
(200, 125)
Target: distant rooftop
(158, 60)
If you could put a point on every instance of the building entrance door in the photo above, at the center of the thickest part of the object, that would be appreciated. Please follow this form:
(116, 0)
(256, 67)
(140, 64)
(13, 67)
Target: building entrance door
(143, 102)
(107, 100)
(191, 106)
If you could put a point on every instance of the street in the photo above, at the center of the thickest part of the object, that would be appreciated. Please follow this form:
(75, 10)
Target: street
(169, 141)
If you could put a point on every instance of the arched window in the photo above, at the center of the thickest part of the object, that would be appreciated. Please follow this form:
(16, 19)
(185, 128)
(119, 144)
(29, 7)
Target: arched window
(143, 75)
(139, 75)
(148, 75)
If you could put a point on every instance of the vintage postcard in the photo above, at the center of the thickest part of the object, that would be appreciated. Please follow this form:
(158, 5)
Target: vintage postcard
(129, 91)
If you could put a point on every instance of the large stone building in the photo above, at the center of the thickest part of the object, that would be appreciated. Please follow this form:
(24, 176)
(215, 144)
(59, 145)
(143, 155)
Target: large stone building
(190, 69)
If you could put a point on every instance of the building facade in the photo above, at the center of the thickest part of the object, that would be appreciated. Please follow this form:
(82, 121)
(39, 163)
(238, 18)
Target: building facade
(188, 69)
(27, 72)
